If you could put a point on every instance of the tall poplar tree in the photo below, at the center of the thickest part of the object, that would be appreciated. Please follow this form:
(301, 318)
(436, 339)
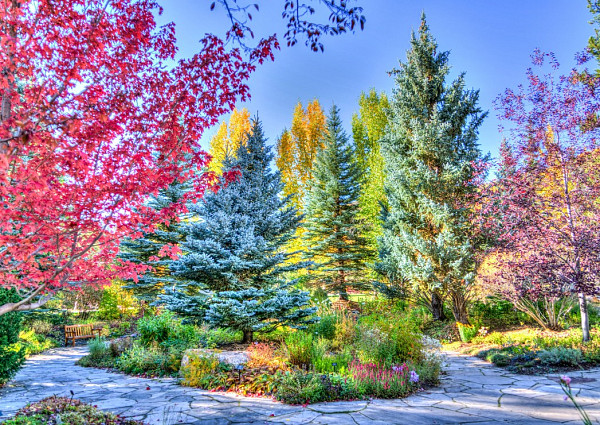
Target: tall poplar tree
(296, 152)
(233, 249)
(297, 149)
(368, 126)
(229, 138)
(334, 232)
(432, 166)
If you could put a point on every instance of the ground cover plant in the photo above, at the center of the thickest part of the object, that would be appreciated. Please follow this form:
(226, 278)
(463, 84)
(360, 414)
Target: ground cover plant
(535, 351)
(67, 411)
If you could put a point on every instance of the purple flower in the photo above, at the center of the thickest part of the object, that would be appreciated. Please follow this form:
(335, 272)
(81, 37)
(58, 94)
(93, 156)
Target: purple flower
(414, 377)
(565, 379)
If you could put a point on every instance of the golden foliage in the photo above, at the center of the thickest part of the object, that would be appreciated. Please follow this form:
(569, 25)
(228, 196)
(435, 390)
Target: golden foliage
(229, 138)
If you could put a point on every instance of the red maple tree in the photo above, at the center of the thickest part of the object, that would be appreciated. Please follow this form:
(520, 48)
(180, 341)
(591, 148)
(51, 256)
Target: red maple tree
(95, 115)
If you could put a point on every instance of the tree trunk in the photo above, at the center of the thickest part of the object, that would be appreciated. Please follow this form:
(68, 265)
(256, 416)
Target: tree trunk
(437, 307)
(343, 294)
(248, 337)
(585, 323)
(459, 307)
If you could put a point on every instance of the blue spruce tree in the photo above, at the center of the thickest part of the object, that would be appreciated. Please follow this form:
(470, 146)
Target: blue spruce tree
(335, 236)
(234, 250)
(431, 156)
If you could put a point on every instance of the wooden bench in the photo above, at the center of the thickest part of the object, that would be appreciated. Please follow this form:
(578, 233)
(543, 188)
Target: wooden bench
(73, 332)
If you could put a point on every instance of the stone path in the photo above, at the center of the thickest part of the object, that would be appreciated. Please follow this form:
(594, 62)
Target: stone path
(472, 392)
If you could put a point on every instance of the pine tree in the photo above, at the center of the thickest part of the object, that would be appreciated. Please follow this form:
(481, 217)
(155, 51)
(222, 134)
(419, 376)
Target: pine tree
(334, 233)
(233, 249)
(432, 162)
(146, 249)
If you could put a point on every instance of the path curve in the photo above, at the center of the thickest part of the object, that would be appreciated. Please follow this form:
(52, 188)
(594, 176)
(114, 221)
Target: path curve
(472, 392)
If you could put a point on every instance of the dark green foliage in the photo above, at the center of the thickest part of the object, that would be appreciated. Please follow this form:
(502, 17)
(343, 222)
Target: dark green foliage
(140, 250)
(299, 387)
(433, 163)
(151, 361)
(233, 251)
(497, 314)
(334, 233)
(325, 327)
(12, 355)
(299, 346)
(166, 331)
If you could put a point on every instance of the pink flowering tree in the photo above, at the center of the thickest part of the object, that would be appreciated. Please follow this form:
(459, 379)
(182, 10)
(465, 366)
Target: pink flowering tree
(548, 194)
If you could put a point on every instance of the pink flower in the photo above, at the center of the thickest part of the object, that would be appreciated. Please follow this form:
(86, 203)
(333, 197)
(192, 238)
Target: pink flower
(565, 379)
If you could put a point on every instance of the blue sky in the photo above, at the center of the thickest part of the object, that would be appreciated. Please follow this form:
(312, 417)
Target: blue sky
(489, 40)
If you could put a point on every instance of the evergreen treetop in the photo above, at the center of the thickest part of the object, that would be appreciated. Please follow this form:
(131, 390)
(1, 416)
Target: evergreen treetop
(432, 163)
(334, 233)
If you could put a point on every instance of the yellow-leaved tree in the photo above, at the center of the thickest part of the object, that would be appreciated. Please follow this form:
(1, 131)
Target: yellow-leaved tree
(296, 151)
(229, 138)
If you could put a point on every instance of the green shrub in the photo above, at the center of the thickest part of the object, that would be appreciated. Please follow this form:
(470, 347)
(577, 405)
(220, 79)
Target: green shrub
(467, 332)
(97, 347)
(498, 358)
(333, 362)
(497, 313)
(12, 354)
(429, 370)
(34, 343)
(156, 329)
(168, 331)
(298, 387)
(41, 327)
(561, 356)
(385, 341)
(325, 327)
(299, 346)
(204, 371)
(151, 361)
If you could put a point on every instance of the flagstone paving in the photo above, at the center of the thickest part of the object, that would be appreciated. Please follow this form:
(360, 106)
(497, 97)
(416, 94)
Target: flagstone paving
(472, 392)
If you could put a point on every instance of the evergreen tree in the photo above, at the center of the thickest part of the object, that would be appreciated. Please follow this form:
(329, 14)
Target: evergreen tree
(233, 249)
(432, 163)
(334, 233)
(146, 249)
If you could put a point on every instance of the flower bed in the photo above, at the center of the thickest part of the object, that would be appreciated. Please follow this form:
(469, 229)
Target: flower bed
(67, 411)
